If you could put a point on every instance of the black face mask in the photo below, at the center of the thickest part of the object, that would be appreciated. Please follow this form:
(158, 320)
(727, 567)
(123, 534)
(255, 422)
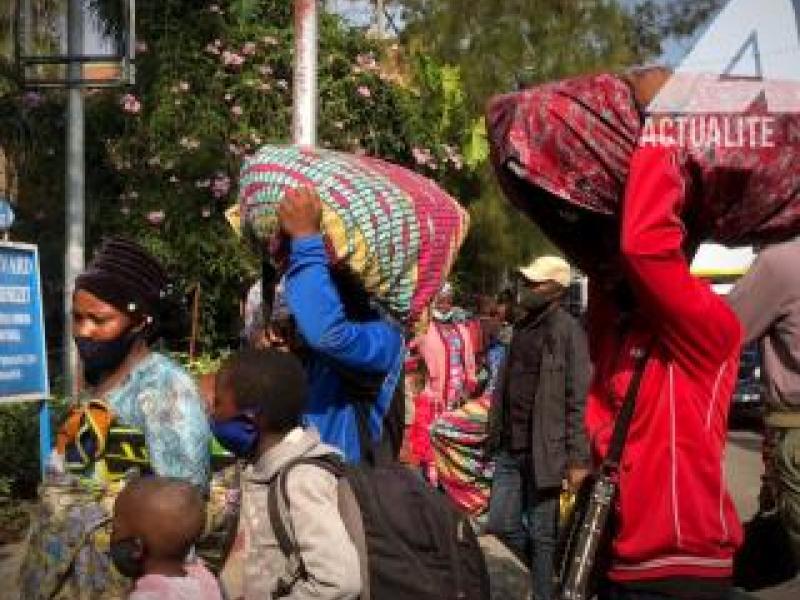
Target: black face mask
(100, 357)
(127, 556)
(533, 301)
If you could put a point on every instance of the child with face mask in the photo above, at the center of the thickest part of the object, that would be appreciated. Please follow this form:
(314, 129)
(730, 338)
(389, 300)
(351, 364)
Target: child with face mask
(156, 522)
(259, 406)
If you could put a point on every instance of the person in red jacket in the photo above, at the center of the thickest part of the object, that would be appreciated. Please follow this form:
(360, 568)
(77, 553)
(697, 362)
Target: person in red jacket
(677, 528)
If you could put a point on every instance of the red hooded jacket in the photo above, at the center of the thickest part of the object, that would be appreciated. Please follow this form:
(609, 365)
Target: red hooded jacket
(675, 516)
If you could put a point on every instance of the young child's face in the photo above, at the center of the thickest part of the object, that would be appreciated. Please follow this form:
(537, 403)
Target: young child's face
(127, 549)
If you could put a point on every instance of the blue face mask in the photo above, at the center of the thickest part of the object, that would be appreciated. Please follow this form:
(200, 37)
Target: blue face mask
(239, 435)
(127, 557)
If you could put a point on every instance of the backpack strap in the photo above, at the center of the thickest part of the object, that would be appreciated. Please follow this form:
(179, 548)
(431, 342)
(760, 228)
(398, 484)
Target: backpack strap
(278, 509)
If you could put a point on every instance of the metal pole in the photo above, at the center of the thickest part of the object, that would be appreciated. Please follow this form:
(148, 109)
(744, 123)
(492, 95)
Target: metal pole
(380, 18)
(304, 115)
(74, 186)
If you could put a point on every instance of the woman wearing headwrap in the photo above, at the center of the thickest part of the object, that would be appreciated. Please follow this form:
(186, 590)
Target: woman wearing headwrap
(138, 411)
(449, 354)
(630, 212)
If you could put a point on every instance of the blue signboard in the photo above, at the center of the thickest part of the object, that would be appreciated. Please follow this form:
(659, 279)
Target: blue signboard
(23, 356)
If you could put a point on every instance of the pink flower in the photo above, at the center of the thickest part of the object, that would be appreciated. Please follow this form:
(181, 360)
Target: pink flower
(364, 91)
(236, 110)
(422, 156)
(232, 59)
(220, 186)
(131, 104)
(366, 62)
(189, 143)
(141, 46)
(212, 49)
(249, 48)
(155, 217)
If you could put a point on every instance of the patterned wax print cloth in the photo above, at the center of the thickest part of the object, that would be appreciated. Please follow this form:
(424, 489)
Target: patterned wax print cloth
(575, 138)
(395, 230)
(68, 552)
(463, 466)
(456, 373)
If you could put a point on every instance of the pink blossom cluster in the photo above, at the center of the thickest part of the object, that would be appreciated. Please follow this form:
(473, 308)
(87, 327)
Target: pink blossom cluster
(189, 143)
(365, 63)
(220, 185)
(364, 91)
(423, 157)
(232, 59)
(131, 104)
(155, 217)
(454, 157)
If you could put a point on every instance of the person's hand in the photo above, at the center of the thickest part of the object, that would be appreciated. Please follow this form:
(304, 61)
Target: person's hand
(300, 213)
(55, 464)
(575, 477)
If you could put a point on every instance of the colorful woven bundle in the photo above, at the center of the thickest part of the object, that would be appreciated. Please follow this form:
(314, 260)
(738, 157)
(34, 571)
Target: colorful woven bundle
(459, 442)
(575, 138)
(396, 230)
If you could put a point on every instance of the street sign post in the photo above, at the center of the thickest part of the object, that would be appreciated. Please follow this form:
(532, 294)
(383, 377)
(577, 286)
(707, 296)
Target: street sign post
(23, 353)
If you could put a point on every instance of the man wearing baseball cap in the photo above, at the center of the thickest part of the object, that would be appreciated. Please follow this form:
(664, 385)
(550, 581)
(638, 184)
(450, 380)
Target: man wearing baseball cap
(536, 428)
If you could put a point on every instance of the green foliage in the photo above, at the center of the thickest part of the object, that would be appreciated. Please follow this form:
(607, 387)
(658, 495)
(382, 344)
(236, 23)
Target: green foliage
(213, 84)
(13, 517)
(19, 446)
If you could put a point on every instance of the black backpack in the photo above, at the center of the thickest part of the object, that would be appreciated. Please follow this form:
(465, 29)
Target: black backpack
(415, 544)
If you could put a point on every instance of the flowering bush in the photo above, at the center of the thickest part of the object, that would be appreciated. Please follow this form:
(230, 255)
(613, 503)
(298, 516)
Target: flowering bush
(213, 84)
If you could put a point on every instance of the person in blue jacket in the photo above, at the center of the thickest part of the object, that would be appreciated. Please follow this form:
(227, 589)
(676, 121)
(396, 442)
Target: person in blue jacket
(353, 353)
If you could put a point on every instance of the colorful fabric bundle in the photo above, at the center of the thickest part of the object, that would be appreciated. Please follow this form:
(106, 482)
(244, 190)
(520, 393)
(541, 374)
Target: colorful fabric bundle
(396, 230)
(574, 139)
(464, 469)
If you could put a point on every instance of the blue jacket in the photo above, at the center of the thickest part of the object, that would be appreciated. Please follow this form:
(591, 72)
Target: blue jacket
(370, 347)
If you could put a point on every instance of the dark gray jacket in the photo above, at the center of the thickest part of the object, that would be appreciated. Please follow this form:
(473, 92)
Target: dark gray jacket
(559, 433)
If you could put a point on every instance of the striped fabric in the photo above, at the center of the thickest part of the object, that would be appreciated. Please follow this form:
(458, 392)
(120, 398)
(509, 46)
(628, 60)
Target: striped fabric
(396, 230)
(464, 469)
